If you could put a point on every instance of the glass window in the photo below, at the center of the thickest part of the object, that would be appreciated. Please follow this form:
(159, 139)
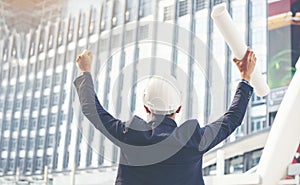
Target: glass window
(78, 158)
(53, 119)
(236, 165)
(217, 2)
(47, 82)
(145, 8)
(18, 105)
(27, 103)
(21, 163)
(35, 104)
(143, 32)
(28, 164)
(6, 125)
(42, 122)
(89, 156)
(11, 164)
(33, 123)
(45, 101)
(60, 33)
(55, 160)
(254, 159)
(50, 140)
(9, 104)
(210, 170)
(68, 137)
(252, 126)
(92, 21)
(55, 99)
(71, 29)
(264, 124)
(38, 83)
(22, 143)
(22, 70)
(59, 137)
(183, 8)
(49, 63)
(31, 143)
(200, 4)
(13, 144)
(24, 123)
(32, 45)
(31, 68)
(130, 10)
(48, 160)
(41, 142)
(41, 40)
(258, 125)
(66, 160)
(65, 76)
(2, 163)
(20, 87)
(4, 73)
(116, 19)
(51, 36)
(29, 85)
(5, 53)
(15, 124)
(81, 26)
(4, 144)
(39, 163)
(168, 12)
(104, 16)
(57, 78)
(13, 72)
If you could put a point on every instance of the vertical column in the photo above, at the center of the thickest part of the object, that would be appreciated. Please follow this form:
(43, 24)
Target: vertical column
(220, 162)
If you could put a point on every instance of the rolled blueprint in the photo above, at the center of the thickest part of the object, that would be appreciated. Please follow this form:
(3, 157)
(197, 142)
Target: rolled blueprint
(284, 137)
(237, 45)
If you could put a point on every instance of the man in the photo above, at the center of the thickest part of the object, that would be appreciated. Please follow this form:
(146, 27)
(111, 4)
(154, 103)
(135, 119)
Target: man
(158, 152)
(295, 8)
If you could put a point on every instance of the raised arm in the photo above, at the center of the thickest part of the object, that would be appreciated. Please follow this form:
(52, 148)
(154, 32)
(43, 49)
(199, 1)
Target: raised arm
(214, 133)
(91, 107)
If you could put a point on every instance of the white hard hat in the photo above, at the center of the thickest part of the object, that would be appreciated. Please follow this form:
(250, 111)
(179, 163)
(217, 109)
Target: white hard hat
(161, 96)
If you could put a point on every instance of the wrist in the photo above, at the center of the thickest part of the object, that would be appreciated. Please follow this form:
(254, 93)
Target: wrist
(85, 70)
(246, 82)
(246, 77)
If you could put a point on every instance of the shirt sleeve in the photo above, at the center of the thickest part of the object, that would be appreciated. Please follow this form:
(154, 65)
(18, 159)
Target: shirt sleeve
(214, 133)
(111, 127)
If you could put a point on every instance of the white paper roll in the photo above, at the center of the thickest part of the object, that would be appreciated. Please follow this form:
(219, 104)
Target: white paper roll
(237, 45)
(284, 136)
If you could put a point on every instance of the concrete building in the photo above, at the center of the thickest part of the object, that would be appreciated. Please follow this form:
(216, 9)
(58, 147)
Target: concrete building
(40, 118)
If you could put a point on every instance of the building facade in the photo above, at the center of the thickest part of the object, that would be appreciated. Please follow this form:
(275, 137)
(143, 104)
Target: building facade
(40, 117)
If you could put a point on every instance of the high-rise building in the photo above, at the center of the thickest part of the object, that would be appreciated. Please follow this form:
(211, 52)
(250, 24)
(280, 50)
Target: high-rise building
(40, 117)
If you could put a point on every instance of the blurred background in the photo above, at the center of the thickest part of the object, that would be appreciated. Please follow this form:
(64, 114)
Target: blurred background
(41, 127)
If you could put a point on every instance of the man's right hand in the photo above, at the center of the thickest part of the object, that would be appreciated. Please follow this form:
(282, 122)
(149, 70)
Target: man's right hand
(84, 61)
(246, 65)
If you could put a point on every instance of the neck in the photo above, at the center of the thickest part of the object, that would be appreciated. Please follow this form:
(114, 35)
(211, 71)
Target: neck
(172, 116)
(150, 115)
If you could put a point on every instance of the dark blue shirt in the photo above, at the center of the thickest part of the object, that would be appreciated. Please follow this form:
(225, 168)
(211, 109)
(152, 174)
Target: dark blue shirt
(159, 152)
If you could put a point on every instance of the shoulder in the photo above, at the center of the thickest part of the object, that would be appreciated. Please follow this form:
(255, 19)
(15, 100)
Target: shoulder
(189, 127)
(137, 123)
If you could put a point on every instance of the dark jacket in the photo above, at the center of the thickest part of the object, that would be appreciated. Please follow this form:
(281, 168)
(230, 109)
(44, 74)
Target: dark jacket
(158, 152)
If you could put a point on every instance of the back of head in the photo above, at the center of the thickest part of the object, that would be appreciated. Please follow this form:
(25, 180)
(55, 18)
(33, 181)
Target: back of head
(161, 96)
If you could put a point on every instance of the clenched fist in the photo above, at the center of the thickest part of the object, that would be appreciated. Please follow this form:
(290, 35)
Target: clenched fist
(84, 61)
(246, 65)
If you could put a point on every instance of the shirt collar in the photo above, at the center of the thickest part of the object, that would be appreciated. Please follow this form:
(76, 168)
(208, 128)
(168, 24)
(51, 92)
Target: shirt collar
(165, 120)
